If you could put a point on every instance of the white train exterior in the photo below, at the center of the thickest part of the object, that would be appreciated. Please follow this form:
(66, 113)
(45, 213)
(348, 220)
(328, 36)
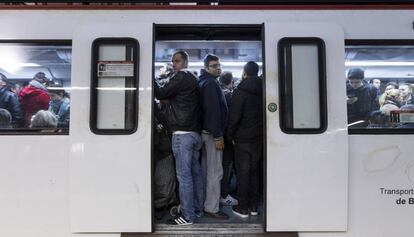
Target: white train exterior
(84, 184)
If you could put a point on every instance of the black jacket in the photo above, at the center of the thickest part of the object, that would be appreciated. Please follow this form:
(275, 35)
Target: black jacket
(10, 102)
(361, 109)
(183, 111)
(246, 112)
(214, 105)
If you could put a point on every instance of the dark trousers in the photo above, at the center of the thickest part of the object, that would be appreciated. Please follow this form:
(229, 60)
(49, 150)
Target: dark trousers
(247, 160)
(228, 161)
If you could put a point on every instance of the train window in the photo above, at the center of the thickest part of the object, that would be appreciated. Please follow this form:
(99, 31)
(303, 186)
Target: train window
(35, 87)
(302, 85)
(114, 97)
(380, 86)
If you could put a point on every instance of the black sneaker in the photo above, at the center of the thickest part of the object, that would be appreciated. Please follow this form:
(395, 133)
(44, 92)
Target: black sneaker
(239, 212)
(217, 215)
(179, 220)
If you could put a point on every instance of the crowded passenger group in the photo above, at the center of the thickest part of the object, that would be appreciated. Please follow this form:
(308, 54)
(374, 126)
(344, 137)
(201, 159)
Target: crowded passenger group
(216, 130)
(39, 104)
(371, 107)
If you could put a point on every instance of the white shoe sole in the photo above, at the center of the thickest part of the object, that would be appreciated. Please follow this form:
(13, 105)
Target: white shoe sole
(240, 215)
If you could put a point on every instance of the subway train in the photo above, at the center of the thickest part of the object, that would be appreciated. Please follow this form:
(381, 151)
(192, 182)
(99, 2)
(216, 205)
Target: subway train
(323, 174)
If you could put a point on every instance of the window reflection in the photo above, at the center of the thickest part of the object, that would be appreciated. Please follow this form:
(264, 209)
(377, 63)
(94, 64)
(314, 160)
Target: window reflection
(379, 86)
(34, 82)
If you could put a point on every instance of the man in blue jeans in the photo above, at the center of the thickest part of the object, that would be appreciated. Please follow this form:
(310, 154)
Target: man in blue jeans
(183, 118)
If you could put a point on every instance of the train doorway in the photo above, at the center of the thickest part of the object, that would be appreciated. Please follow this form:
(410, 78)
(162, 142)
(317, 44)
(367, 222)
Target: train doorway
(234, 45)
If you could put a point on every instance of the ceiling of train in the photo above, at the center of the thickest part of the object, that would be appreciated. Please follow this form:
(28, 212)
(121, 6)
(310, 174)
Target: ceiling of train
(24, 61)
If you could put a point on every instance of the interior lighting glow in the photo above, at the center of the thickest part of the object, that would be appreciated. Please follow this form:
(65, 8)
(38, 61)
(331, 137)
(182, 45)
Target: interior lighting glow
(201, 64)
(373, 63)
(115, 89)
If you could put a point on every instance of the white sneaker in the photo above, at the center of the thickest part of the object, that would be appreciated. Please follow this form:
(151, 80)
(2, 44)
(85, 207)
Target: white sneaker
(229, 201)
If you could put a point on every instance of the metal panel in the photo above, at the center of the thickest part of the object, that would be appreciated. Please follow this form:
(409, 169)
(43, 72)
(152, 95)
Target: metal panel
(307, 173)
(110, 176)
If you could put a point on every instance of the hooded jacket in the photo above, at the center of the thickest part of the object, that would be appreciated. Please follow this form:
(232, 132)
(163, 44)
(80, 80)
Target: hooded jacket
(214, 105)
(246, 112)
(33, 98)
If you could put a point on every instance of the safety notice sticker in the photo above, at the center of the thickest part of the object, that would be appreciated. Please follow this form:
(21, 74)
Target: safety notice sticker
(115, 68)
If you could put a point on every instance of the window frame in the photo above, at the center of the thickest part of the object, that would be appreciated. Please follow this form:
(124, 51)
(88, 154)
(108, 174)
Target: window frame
(94, 83)
(285, 84)
(378, 42)
(37, 42)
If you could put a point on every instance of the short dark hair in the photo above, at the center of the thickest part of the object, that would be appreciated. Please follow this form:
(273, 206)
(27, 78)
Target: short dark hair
(356, 74)
(226, 78)
(208, 58)
(372, 80)
(251, 68)
(183, 54)
(3, 78)
(40, 75)
(57, 91)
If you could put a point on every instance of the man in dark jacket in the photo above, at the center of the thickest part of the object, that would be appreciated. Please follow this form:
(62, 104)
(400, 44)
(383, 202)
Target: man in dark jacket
(226, 84)
(10, 102)
(246, 131)
(359, 98)
(183, 118)
(214, 123)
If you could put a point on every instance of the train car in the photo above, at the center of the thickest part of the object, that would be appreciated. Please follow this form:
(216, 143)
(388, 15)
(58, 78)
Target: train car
(89, 170)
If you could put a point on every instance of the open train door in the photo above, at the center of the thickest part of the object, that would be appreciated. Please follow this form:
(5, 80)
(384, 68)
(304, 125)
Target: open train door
(307, 146)
(110, 164)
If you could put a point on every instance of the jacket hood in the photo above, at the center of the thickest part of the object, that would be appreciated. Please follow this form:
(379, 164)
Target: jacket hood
(31, 91)
(252, 85)
(37, 84)
(205, 75)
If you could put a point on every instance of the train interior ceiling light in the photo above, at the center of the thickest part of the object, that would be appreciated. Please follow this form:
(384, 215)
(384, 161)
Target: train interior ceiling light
(21, 62)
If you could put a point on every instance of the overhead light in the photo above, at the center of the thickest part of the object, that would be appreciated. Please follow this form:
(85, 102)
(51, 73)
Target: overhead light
(201, 64)
(376, 63)
(28, 65)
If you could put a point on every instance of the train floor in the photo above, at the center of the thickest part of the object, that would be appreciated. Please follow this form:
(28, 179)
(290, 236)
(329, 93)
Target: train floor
(226, 209)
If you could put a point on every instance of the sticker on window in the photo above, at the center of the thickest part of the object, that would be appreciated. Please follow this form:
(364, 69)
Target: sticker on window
(115, 68)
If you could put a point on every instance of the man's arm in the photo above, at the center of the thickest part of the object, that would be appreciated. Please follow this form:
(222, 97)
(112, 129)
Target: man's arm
(211, 109)
(235, 113)
(170, 89)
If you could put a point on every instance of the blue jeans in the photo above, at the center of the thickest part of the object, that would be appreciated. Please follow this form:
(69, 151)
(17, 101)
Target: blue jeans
(186, 148)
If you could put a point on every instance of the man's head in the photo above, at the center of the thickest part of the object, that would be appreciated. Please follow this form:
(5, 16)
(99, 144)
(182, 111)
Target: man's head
(250, 69)
(3, 80)
(376, 83)
(44, 119)
(226, 79)
(179, 60)
(56, 94)
(355, 77)
(212, 65)
(405, 90)
(15, 88)
(5, 118)
(41, 77)
(391, 85)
